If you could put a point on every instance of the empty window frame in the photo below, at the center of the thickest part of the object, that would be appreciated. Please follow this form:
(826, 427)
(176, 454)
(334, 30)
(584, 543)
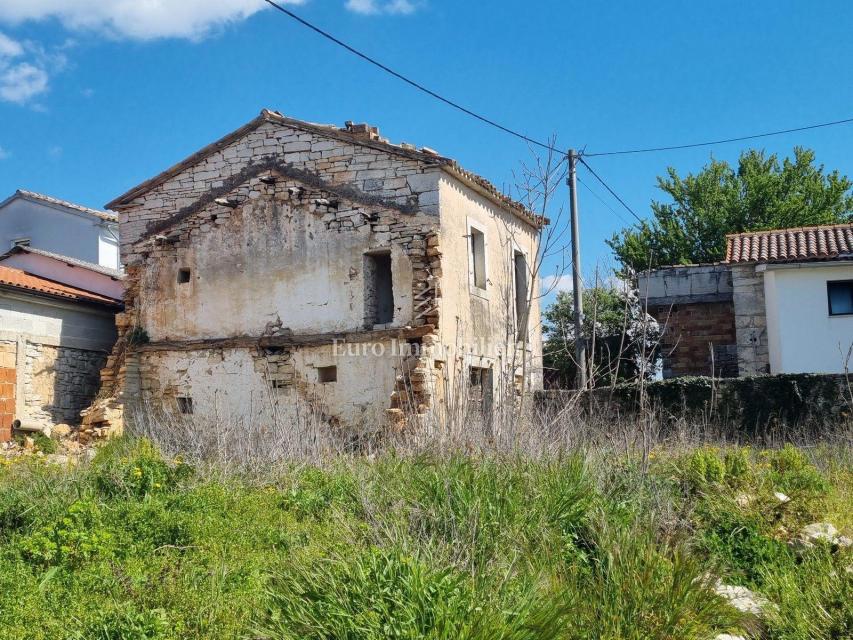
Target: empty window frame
(519, 264)
(185, 405)
(327, 374)
(378, 289)
(184, 275)
(480, 391)
(477, 252)
(840, 296)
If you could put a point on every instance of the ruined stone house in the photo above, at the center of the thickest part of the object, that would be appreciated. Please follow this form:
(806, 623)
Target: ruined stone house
(780, 302)
(291, 263)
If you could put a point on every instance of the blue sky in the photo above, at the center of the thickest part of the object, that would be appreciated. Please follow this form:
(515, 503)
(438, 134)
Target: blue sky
(98, 95)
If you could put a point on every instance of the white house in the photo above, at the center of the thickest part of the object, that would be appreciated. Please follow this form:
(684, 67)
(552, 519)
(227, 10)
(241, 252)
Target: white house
(781, 301)
(60, 227)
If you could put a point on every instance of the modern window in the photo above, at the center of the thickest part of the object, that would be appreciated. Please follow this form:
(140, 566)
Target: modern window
(521, 292)
(478, 258)
(840, 294)
(378, 289)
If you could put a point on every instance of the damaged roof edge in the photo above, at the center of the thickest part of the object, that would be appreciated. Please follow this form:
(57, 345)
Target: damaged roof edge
(478, 183)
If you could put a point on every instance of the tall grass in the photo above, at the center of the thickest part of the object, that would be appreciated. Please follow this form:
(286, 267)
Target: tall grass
(563, 526)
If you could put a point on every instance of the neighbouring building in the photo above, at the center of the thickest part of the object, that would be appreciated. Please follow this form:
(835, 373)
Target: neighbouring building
(57, 327)
(780, 302)
(60, 227)
(293, 263)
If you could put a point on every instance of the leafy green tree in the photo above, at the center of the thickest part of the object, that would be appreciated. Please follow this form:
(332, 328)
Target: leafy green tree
(762, 193)
(618, 323)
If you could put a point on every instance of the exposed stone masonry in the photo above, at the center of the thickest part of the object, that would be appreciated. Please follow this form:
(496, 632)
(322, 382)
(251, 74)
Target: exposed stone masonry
(750, 320)
(400, 181)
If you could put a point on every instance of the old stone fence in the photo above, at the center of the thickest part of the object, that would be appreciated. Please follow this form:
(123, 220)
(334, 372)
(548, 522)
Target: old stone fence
(750, 405)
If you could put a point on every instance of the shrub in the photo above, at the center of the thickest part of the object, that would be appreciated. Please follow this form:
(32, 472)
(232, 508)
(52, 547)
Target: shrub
(314, 491)
(78, 536)
(704, 468)
(135, 468)
(45, 444)
(738, 467)
(739, 541)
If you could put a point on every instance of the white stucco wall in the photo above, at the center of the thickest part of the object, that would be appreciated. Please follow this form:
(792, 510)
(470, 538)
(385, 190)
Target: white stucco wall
(51, 228)
(60, 271)
(479, 326)
(802, 336)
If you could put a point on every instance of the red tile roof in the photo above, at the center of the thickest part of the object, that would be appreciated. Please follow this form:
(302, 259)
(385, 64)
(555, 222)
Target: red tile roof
(830, 242)
(19, 279)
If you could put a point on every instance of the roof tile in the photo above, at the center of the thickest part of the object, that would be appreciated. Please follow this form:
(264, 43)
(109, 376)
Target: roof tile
(22, 280)
(828, 242)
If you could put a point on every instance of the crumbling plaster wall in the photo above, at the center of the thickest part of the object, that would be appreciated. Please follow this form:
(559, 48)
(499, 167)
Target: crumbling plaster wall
(279, 260)
(234, 384)
(478, 328)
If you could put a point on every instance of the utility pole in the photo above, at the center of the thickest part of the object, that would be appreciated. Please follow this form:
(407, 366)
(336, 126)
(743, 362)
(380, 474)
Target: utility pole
(577, 285)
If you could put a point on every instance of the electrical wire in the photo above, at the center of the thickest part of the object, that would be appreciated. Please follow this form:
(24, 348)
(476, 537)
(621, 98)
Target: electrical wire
(723, 141)
(612, 192)
(603, 201)
(409, 81)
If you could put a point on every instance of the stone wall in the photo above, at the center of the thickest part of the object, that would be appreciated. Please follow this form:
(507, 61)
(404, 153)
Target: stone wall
(750, 320)
(404, 179)
(747, 406)
(59, 383)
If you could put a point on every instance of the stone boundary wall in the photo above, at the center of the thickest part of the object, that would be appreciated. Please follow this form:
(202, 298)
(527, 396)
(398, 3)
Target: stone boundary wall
(750, 405)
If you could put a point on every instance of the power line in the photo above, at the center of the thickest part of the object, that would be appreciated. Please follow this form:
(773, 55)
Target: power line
(603, 201)
(409, 81)
(724, 141)
(612, 192)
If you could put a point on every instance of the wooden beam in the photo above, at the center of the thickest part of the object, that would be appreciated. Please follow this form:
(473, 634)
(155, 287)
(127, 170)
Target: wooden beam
(303, 340)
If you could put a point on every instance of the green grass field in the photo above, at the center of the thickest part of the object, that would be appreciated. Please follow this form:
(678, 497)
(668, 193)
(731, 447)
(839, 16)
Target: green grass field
(582, 546)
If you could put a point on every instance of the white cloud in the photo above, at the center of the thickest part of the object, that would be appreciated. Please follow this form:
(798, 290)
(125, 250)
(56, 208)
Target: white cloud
(9, 48)
(136, 19)
(5, 154)
(23, 69)
(21, 82)
(553, 284)
(373, 7)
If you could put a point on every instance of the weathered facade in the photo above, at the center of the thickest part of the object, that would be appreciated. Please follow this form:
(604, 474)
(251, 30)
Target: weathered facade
(292, 264)
(781, 302)
(54, 340)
